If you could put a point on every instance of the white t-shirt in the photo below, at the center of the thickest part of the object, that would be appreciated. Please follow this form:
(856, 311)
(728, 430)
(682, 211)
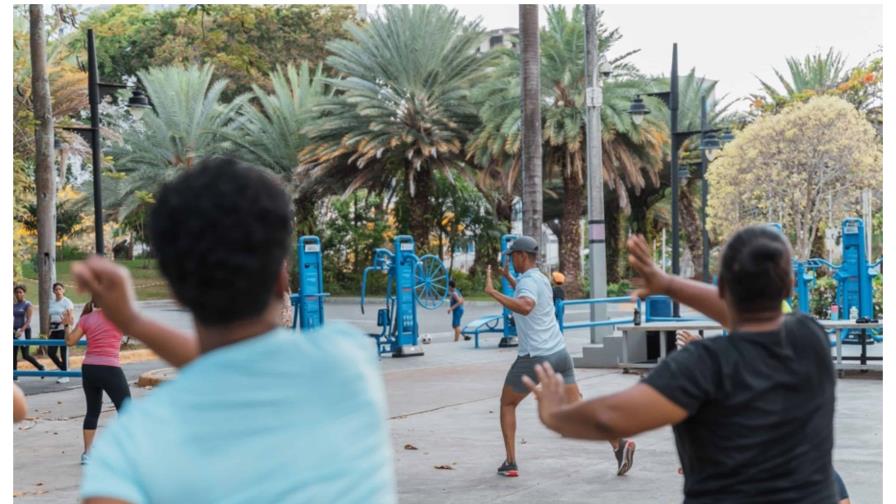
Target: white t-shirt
(57, 309)
(538, 332)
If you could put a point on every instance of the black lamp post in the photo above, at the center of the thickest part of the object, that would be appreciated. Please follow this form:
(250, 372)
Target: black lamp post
(138, 103)
(638, 110)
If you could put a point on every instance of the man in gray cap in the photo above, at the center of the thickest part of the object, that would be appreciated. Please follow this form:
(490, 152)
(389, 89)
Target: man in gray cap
(540, 340)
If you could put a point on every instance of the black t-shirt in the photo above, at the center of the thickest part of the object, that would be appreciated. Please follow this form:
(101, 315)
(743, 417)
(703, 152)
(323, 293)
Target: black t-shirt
(760, 415)
(559, 295)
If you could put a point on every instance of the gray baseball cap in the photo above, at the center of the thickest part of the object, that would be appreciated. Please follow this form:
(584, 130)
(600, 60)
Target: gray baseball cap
(523, 244)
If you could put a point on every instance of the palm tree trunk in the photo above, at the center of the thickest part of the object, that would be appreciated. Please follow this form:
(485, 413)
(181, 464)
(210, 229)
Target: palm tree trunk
(44, 173)
(690, 223)
(614, 242)
(419, 221)
(571, 240)
(531, 124)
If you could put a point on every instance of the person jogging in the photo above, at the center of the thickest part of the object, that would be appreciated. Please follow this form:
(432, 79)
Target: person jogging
(540, 341)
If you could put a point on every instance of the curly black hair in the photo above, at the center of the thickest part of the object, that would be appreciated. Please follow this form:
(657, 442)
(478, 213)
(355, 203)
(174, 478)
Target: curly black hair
(221, 232)
(756, 269)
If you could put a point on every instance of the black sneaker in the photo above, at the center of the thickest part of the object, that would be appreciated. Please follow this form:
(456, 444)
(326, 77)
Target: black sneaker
(508, 469)
(625, 456)
(467, 338)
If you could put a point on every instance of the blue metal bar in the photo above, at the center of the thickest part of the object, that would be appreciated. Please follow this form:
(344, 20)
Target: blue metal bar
(43, 342)
(72, 374)
(603, 323)
(677, 319)
(619, 299)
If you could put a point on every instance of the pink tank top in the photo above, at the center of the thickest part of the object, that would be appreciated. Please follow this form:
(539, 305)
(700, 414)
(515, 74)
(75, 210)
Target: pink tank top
(103, 340)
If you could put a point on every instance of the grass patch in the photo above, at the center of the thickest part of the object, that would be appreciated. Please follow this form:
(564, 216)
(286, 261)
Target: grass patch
(148, 282)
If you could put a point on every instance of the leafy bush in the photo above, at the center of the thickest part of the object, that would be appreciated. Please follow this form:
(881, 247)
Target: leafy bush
(822, 297)
(623, 288)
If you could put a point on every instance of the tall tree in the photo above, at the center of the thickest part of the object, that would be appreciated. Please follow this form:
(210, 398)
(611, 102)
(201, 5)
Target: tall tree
(530, 102)
(631, 157)
(401, 111)
(187, 123)
(268, 131)
(794, 167)
(45, 173)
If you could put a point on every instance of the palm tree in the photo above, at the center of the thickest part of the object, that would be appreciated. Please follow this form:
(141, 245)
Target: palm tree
(269, 133)
(530, 92)
(814, 74)
(188, 122)
(401, 110)
(631, 155)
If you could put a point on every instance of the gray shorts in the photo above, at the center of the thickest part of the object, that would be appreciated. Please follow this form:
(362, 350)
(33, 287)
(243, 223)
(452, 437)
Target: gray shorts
(525, 366)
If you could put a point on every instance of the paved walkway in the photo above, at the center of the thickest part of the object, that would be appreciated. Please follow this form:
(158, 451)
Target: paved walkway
(446, 405)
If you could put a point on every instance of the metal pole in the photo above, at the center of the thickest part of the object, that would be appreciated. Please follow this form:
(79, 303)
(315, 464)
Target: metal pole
(93, 92)
(704, 191)
(597, 245)
(673, 127)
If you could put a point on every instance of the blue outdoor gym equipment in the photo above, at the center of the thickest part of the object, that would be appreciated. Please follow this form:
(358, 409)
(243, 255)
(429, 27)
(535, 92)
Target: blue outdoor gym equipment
(412, 280)
(504, 322)
(854, 277)
(308, 302)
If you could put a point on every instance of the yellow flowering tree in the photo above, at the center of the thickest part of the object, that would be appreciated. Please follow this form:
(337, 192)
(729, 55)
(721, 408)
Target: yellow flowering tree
(795, 167)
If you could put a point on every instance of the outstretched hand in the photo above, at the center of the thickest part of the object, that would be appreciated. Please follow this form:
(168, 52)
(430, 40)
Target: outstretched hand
(111, 288)
(683, 338)
(549, 392)
(489, 283)
(652, 280)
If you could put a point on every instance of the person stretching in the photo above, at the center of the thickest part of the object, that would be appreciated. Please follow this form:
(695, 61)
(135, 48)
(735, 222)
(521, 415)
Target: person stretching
(540, 341)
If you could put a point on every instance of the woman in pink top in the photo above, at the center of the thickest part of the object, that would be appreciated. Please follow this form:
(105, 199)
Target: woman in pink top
(101, 369)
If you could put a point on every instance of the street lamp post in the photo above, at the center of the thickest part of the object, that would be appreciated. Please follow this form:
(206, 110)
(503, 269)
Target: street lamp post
(638, 110)
(95, 91)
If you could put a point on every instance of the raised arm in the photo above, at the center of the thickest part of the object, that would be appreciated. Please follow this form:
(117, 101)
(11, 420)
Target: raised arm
(700, 296)
(112, 288)
(521, 305)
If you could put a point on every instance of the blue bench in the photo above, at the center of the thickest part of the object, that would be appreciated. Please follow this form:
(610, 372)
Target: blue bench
(487, 324)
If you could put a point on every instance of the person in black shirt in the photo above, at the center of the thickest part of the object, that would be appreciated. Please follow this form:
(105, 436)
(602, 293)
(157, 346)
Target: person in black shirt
(753, 412)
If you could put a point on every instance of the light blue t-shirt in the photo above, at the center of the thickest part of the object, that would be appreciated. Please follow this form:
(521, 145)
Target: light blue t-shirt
(538, 332)
(281, 417)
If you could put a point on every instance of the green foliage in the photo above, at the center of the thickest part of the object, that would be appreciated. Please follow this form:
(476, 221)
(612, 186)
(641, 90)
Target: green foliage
(623, 288)
(822, 297)
(187, 123)
(353, 227)
(268, 133)
(878, 294)
(401, 110)
(244, 42)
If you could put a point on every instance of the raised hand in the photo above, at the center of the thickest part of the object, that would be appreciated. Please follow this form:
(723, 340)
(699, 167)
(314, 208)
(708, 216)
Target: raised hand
(489, 283)
(683, 338)
(652, 280)
(111, 288)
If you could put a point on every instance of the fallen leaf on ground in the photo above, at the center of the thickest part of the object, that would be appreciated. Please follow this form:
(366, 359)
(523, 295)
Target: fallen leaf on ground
(444, 466)
(410, 447)
(523, 441)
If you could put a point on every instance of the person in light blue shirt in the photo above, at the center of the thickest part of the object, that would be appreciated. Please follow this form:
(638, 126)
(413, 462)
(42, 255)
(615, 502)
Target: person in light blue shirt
(540, 340)
(257, 413)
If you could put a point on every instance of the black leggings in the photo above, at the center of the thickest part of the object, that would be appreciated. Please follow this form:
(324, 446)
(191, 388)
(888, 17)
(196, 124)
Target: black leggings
(96, 379)
(25, 354)
(58, 334)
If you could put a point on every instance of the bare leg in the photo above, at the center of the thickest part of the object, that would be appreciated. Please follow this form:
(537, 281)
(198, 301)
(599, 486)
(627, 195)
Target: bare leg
(88, 438)
(457, 334)
(509, 401)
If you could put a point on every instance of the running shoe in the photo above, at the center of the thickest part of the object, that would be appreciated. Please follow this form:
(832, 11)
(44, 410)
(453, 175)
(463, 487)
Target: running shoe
(625, 456)
(508, 469)
(64, 379)
(84, 459)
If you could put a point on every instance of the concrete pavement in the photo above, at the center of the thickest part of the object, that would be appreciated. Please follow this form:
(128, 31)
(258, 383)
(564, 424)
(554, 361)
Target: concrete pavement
(445, 404)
